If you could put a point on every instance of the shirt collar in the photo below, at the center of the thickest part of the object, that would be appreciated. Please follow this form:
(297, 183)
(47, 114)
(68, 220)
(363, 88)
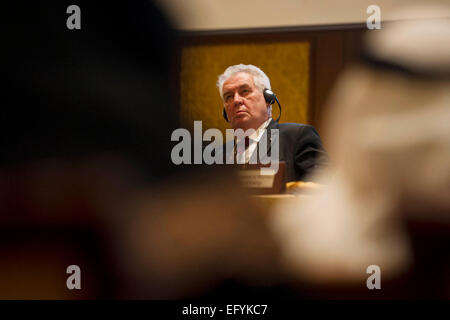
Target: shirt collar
(260, 131)
(256, 136)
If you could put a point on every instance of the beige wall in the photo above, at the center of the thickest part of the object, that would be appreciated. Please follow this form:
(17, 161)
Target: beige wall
(241, 14)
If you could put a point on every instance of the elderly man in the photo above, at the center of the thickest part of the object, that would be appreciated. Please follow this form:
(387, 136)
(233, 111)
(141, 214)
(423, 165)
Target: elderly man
(245, 107)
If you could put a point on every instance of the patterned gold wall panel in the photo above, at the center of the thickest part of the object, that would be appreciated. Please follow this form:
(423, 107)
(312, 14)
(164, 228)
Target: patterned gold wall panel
(285, 63)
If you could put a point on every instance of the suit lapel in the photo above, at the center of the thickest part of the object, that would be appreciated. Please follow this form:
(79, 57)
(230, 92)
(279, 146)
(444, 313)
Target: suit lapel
(272, 125)
(266, 135)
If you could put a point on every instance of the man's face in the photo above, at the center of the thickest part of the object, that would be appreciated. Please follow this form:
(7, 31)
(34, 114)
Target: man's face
(244, 102)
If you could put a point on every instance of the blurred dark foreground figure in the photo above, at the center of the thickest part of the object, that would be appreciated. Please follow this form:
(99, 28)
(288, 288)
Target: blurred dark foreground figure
(79, 131)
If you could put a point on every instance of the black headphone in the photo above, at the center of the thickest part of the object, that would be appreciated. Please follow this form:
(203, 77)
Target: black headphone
(270, 98)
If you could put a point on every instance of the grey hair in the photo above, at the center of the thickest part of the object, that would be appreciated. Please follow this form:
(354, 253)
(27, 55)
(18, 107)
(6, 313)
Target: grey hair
(260, 79)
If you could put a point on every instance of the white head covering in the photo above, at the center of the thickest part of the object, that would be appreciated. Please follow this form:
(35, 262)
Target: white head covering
(388, 136)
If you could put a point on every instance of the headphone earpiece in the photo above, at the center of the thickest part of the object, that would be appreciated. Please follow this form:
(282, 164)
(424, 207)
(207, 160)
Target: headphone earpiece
(269, 96)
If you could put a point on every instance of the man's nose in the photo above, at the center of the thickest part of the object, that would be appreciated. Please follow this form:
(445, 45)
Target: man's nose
(237, 100)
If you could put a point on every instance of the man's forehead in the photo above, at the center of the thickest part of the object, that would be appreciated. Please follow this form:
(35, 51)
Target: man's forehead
(238, 80)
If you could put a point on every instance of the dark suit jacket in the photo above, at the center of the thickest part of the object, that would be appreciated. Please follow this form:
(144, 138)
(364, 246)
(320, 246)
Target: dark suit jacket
(299, 146)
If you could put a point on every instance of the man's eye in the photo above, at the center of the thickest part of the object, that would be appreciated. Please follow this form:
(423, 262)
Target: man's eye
(245, 91)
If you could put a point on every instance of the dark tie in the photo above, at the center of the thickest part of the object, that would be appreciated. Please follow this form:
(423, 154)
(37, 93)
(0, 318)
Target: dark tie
(246, 144)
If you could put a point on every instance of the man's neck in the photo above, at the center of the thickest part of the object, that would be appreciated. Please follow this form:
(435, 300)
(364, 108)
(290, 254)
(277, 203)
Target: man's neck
(255, 127)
